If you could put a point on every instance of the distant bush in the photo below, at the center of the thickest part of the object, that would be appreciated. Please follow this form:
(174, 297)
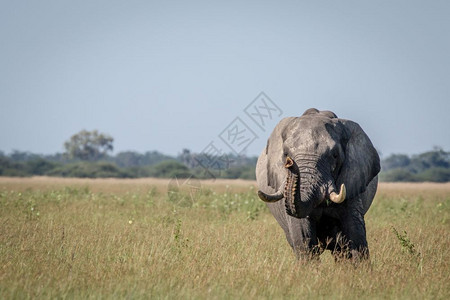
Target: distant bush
(90, 170)
(399, 174)
(431, 166)
(9, 167)
(243, 172)
(40, 166)
(396, 161)
(435, 174)
(169, 169)
(129, 159)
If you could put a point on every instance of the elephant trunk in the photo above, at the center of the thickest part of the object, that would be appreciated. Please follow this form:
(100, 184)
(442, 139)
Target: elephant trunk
(306, 185)
(302, 200)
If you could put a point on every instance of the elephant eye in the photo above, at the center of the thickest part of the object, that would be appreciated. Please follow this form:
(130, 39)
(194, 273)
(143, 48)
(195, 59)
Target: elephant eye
(334, 162)
(335, 153)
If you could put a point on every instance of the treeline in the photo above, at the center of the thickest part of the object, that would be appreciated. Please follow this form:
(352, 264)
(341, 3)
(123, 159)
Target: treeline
(431, 166)
(87, 155)
(129, 164)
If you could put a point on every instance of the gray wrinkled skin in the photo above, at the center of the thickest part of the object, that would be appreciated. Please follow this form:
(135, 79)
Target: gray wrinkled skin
(326, 152)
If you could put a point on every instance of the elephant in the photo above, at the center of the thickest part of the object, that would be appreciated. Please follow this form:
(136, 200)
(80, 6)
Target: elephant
(318, 175)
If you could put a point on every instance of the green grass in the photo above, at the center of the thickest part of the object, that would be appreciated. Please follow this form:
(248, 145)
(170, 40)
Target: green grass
(138, 241)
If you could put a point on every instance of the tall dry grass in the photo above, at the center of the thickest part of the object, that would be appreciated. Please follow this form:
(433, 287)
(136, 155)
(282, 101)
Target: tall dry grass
(76, 238)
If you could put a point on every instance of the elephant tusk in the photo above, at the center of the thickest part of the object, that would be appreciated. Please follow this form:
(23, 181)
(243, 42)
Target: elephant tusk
(338, 198)
(270, 197)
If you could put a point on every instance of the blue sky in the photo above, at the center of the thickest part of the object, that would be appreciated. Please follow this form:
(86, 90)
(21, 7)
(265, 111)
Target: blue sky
(168, 75)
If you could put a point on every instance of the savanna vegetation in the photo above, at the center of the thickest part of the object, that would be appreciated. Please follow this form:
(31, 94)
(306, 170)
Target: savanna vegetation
(87, 155)
(157, 238)
(428, 166)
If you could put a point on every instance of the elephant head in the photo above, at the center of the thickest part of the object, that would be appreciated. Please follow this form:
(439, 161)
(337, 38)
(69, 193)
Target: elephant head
(316, 157)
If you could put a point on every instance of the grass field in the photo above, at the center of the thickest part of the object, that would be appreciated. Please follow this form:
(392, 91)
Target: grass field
(148, 238)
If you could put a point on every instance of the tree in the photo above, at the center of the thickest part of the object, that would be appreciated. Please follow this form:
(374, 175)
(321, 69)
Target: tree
(22, 156)
(395, 161)
(398, 174)
(435, 174)
(170, 169)
(187, 158)
(128, 159)
(89, 145)
(40, 166)
(437, 158)
(428, 166)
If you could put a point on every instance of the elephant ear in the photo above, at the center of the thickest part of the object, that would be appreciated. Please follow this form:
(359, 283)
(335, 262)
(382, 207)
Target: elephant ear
(362, 162)
(274, 154)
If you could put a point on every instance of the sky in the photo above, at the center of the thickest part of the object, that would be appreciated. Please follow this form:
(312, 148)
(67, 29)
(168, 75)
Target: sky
(169, 75)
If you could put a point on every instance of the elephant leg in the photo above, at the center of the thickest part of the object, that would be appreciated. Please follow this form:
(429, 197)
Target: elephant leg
(302, 237)
(354, 239)
(329, 234)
